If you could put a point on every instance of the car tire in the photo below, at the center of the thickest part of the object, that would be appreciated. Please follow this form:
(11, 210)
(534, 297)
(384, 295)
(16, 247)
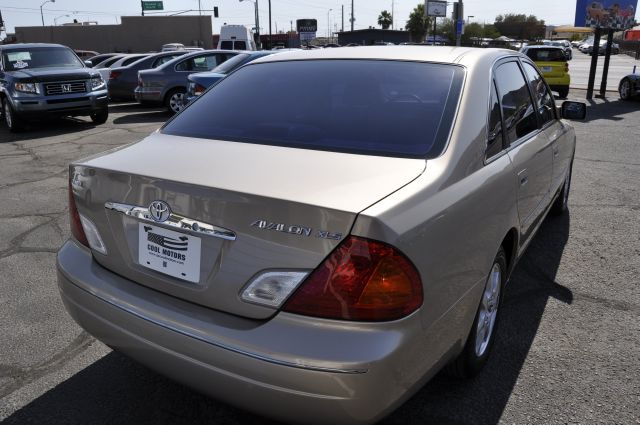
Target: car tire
(100, 117)
(624, 89)
(173, 100)
(11, 118)
(563, 92)
(561, 204)
(482, 336)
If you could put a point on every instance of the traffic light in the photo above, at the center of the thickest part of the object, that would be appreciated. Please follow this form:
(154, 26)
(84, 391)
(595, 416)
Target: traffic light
(215, 11)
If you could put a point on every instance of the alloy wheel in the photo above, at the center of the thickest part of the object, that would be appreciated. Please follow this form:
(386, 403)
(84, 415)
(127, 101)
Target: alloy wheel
(488, 310)
(175, 102)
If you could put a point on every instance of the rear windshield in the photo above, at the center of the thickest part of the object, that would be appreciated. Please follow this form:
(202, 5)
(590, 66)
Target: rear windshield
(547, 55)
(40, 57)
(231, 64)
(373, 107)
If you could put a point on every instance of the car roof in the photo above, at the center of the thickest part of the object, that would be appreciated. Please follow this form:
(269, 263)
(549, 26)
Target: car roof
(19, 46)
(544, 46)
(435, 54)
(197, 53)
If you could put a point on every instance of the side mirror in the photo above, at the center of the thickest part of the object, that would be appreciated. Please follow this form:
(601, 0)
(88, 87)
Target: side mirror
(573, 110)
(89, 64)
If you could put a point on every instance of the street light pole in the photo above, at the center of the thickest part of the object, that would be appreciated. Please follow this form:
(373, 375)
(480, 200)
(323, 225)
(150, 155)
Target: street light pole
(257, 18)
(328, 25)
(41, 14)
(469, 18)
(55, 20)
(270, 41)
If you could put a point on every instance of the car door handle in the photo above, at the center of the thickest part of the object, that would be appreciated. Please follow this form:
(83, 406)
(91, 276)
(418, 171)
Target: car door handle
(523, 177)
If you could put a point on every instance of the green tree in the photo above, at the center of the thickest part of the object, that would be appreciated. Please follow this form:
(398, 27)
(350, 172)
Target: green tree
(446, 28)
(520, 26)
(418, 24)
(476, 31)
(385, 19)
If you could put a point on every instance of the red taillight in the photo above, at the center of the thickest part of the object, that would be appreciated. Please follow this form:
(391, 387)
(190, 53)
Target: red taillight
(76, 225)
(114, 74)
(362, 280)
(198, 89)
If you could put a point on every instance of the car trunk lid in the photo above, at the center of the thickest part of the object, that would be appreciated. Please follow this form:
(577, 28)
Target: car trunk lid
(273, 208)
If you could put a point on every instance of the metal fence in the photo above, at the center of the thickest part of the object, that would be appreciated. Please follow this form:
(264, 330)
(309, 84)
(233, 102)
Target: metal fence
(630, 47)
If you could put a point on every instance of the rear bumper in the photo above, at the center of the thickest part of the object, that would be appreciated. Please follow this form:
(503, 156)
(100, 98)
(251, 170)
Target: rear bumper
(291, 368)
(148, 95)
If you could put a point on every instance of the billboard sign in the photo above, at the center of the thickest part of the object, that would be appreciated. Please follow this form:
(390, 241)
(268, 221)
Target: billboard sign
(436, 8)
(307, 29)
(614, 14)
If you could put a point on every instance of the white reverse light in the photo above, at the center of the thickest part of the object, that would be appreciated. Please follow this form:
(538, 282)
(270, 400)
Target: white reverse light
(272, 288)
(93, 236)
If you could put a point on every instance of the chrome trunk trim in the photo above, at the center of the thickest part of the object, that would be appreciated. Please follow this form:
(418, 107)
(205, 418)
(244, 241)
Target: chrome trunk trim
(174, 221)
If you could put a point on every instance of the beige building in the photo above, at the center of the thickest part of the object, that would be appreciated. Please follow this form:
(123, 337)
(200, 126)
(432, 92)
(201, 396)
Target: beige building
(134, 34)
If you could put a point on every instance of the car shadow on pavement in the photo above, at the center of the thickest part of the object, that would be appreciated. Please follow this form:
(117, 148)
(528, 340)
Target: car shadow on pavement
(143, 118)
(116, 390)
(611, 108)
(48, 128)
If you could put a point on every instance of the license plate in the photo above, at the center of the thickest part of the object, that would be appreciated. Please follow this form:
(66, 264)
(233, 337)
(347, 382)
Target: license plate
(173, 253)
(547, 68)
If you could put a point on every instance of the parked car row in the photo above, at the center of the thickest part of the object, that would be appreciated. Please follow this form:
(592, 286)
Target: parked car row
(586, 47)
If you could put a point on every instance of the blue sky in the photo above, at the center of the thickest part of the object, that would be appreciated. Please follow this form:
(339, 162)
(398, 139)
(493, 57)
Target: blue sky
(27, 12)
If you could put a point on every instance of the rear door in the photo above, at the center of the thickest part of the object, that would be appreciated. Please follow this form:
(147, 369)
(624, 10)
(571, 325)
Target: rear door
(530, 149)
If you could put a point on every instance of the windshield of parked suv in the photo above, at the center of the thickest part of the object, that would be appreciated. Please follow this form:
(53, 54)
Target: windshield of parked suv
(373, 107)
(40, 57)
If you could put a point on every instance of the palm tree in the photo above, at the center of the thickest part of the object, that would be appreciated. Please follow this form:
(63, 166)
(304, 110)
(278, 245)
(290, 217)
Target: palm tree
(418, 24)
(385, 19)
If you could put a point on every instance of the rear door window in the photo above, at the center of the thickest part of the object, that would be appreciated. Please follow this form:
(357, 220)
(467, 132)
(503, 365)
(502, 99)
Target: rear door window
(517, 109)
(361, 106)
(226, 45)
(240, 45)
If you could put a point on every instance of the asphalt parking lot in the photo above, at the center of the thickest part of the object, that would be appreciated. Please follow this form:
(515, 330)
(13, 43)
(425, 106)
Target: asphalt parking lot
(567, 349)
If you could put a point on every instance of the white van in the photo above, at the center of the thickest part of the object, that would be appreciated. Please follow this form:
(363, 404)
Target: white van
(236, 37)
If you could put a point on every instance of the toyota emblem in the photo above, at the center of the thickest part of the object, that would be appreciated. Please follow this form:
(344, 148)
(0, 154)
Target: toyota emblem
(159, 211)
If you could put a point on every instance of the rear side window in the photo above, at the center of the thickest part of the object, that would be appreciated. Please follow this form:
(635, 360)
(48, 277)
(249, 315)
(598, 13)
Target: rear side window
(164, 59)
(517, 110)
(131, 60)
(361, 106)
(494, 136)
(547, 55)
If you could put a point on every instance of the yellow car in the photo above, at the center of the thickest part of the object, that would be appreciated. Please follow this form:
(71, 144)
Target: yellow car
(553, 65)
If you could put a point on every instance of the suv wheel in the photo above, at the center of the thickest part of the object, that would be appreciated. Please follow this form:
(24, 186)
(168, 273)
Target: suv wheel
(563, 92)
(13, 120)
(100, 117)
(173, 100)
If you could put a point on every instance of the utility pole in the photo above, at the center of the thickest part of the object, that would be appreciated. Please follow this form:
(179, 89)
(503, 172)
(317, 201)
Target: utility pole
(392, 14)
(199, 8)
(270, 41)
(342, 30)
(460, 18)
(352, 17)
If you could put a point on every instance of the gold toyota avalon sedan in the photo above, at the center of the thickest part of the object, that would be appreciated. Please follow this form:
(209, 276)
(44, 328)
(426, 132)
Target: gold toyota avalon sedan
(320, 232)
